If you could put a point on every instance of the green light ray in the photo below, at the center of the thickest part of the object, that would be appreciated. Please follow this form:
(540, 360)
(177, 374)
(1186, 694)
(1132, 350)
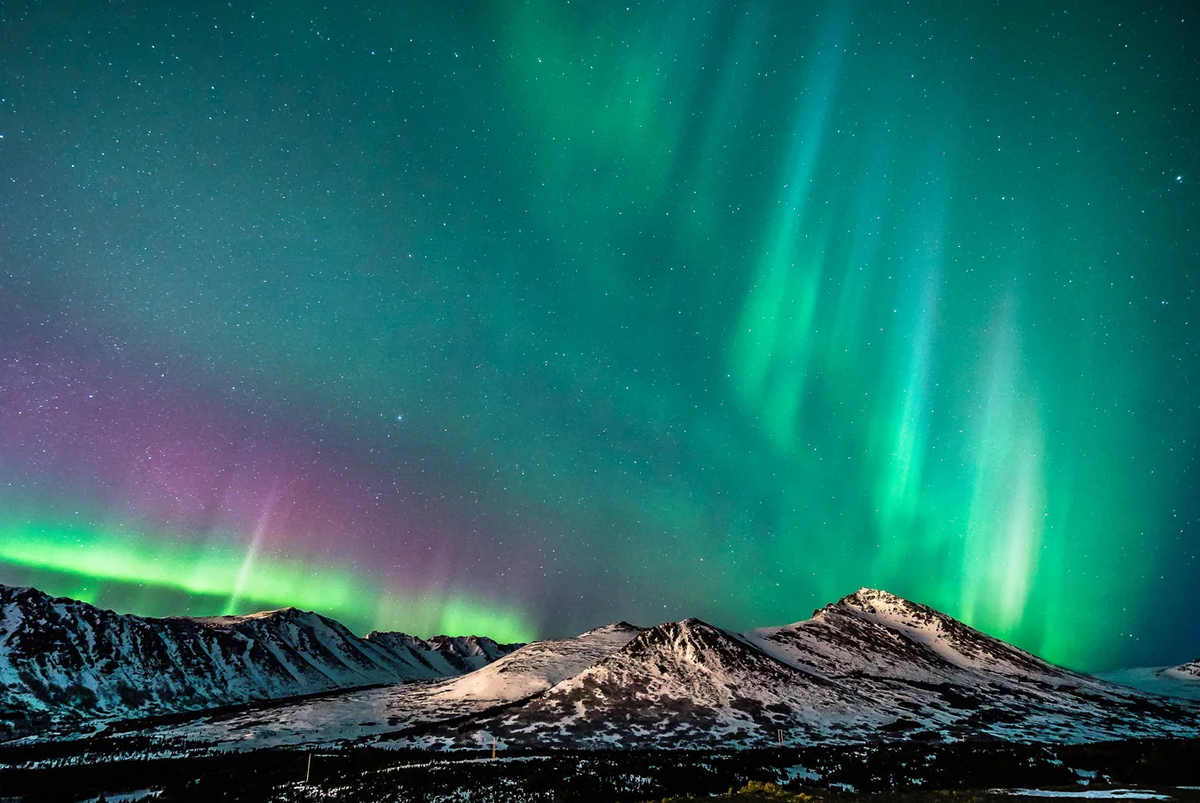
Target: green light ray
(901, 483)
(773, 346)
(1008, 502)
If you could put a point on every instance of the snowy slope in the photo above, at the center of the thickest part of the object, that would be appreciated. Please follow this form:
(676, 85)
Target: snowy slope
(65, 664)
(684, 684)
(1188, 671)
(538, 666)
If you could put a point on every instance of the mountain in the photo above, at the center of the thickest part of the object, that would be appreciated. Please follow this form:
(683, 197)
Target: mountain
(66, 665)
(871, 666)
(940, 678)
(881, 635)
(683, 684)
(1181, 681)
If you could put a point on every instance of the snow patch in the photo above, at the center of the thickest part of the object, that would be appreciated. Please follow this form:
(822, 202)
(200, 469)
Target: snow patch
(1102, 794)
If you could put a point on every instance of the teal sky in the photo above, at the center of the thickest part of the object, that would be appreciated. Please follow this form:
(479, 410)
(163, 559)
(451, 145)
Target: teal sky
(522, 317)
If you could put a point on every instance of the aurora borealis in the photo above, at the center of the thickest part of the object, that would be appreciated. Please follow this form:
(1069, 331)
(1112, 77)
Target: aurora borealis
(520, 318)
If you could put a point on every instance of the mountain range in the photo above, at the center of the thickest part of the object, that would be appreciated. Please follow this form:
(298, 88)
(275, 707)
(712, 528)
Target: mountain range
(870, 667)
(68, 666)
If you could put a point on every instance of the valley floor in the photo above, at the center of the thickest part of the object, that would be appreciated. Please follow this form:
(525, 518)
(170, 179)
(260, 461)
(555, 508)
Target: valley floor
(893, 773)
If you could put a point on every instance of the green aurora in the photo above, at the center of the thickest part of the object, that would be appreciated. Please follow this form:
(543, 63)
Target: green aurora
(96, 557)
(517, 318)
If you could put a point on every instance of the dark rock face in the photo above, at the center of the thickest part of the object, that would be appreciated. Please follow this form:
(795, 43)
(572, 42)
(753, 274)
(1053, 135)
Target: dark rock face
(442, 656)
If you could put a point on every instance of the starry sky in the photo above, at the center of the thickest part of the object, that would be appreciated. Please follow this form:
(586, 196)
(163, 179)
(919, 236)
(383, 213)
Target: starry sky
(522, 317)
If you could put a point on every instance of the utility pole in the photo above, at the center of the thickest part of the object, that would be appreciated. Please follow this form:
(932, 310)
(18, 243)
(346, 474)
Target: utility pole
(493, 748)
(308, 772)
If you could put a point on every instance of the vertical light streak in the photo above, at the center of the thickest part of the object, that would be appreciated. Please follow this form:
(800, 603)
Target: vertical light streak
(900, 495)
(261, 528)
(900, 492)
(772, 347)
(1007, 508)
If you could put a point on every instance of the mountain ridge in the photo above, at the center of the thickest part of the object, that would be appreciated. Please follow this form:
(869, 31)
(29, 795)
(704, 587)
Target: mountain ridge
(66, 664)
(871, 666)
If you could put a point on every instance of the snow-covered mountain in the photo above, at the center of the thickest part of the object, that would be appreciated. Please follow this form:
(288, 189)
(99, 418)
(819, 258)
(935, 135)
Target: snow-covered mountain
(937, 677)
(881, 635)
(684, 684)
(871, 666)
(66, 665)
(1181, 681)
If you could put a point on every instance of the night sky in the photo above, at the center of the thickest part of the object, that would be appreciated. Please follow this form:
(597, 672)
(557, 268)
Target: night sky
(522, 317)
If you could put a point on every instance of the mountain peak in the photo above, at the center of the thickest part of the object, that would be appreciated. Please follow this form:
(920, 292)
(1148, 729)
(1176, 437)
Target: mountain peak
(866, 592)
(614, 627)
(884, 605)
(876, 598)
(684, 637)
(1188, 671)
(288, 614)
